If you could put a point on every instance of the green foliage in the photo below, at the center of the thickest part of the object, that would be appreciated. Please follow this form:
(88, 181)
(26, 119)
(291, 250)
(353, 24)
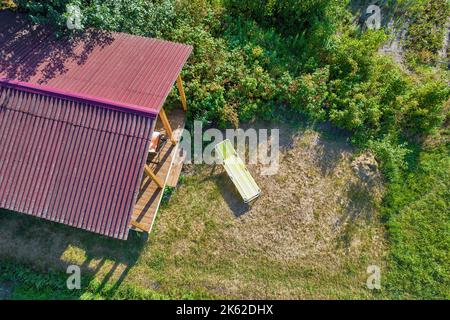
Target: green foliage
(46, 12)
(141, 17)
(417, 211)
(306, 94)
(308, 23)
(426, 32)
(207, 13)
(391, 154)
(359, 85)
(224, 85)
(289, 16)
(424, 108)
(372, 96)
(168, 191)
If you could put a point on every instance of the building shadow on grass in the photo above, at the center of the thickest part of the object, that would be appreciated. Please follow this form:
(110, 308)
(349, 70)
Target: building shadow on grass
(43, 246)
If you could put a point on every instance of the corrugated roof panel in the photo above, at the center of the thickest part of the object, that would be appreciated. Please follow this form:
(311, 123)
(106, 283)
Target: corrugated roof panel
(114, 66)
(70, 162)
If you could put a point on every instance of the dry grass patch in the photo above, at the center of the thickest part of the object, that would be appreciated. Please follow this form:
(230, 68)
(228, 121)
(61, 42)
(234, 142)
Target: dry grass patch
(312, 233)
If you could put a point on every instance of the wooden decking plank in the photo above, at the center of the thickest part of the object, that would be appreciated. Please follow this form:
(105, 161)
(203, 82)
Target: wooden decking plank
(150, 195)
(175, 172)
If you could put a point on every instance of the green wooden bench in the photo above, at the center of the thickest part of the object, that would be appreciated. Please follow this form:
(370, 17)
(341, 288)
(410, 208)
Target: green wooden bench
(237, 171)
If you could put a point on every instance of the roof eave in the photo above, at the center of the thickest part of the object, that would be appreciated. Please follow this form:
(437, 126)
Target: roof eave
(64, 94)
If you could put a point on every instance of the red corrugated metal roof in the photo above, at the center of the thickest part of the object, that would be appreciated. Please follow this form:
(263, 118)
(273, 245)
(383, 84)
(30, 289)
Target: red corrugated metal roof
(75, 120)
(70, 162)
(118, 67)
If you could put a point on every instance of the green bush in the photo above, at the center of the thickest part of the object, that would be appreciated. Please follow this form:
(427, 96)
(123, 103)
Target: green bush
(391, 154)
(46, 12)
(359, 85)
(142, 17)
(226, 83)
(289, 16)
(424, 110)
(426, 32)
(306, 94)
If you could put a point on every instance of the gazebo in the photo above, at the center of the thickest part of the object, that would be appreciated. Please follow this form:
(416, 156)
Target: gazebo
(77, 118)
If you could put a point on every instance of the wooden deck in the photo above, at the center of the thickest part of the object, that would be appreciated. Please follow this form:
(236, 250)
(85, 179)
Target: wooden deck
(150, 195)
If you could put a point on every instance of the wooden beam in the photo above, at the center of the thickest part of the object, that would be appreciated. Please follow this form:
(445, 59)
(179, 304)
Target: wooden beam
(139, 226)
(150, 173)
(182, 94)
(166, 124)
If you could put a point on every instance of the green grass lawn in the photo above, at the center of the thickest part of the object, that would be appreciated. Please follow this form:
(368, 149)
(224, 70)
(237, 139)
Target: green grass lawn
(418, 215)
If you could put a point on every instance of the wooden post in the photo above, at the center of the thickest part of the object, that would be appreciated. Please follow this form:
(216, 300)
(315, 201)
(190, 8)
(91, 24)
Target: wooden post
(182, 94)
(150, 173)
(166, 124)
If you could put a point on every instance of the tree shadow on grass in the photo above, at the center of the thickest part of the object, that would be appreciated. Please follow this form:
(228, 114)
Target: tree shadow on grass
(360, 209)
(332, 144)
(48, 246)
(29, 51)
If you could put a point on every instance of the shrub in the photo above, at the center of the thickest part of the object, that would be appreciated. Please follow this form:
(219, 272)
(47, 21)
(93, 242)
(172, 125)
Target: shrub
(141, 17)
(225, 84)
(48, 12)
(4, 4)
(392, 156)
(364, 87)
(289, 16)
(306, 94)
(424, 110)
(426, 30)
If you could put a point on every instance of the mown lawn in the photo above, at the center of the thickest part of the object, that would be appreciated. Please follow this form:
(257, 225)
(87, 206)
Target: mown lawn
(311, 235)
(418, 218)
